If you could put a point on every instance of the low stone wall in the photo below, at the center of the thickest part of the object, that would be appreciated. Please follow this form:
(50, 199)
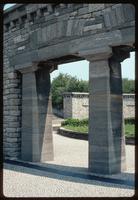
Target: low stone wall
(129, 105)
(82, 136)
(76, 105)
(72, 134)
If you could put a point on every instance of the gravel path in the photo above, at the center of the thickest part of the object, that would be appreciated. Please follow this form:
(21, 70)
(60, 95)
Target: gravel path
(70, 155)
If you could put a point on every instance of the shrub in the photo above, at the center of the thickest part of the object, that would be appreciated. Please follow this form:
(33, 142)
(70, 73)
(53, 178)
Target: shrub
(66, 83)
(75, 122)
(84, 122)
(130, 121)
(128, 85)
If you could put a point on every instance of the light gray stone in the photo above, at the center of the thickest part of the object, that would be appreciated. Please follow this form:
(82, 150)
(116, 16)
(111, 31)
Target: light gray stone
(12, 75)
(83, 11)
(95, 7)
(93, 27)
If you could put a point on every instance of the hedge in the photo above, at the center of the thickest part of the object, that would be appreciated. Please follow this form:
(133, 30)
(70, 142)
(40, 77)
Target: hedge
(75, 122)
(84, 122)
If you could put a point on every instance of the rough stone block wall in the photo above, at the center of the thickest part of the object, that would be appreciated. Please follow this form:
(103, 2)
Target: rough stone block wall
(129, 105)
(80, 106)
(41, 32)
(43, 25)
(67, 105)
(75, 105)
(12, 105)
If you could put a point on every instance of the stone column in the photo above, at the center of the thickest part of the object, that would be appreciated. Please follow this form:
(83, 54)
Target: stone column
(106, 136)
(36, 140)
(117, 117)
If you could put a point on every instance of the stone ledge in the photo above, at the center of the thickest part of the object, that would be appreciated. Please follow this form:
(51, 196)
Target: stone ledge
(82, 136)
(72, 134)
(75, 94)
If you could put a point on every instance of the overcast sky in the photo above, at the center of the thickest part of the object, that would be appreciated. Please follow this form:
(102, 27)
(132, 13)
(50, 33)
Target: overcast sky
(81, 69)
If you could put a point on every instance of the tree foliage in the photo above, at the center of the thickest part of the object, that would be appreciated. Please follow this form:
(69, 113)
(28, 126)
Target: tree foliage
(66, 83)
(128, 86)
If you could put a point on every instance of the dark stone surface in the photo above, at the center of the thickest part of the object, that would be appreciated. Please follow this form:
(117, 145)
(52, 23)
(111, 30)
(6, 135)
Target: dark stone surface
(106, 120)
(37, 117)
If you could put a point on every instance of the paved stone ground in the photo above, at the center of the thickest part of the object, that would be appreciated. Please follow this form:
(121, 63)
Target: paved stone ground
(70, 155)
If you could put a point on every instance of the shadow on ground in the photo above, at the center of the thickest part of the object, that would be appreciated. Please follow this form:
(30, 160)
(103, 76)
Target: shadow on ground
(73, 174)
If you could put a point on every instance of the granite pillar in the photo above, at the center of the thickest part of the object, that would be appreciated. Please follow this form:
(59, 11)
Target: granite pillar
(36, 140)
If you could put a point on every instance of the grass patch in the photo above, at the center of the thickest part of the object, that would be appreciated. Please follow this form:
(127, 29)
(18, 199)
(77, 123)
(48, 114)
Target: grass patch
(82, 126)
(81, 129)
(130, 130)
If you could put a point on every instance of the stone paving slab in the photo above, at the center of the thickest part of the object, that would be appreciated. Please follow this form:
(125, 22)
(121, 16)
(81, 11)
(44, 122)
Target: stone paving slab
(70, 155)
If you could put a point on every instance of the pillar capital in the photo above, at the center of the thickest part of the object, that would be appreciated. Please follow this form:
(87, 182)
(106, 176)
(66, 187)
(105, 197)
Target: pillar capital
(49, 65)
(27, 67)
(121, 53)
(95, 54)
(32, 67)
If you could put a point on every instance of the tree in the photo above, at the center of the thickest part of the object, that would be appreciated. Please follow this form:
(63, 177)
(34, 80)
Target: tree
(66, 83)
(128, 86)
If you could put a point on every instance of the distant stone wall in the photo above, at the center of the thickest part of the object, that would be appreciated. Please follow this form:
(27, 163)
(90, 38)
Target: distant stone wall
(67, 105)
(129, 105)
(76, 105)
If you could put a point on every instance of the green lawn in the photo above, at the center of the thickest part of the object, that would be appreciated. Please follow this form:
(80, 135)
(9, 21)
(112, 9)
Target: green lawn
(129, 129)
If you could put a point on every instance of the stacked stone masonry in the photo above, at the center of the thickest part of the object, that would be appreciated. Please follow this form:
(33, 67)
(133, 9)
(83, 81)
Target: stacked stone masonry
(76, 105)
(12, 112)
(38, 37)
(29, 26)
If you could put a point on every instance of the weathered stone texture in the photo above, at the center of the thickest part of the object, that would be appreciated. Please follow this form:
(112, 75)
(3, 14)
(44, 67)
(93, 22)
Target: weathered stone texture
(37, 143)
(54, 34)
(76, 105)
(31, 28)
(12, 108)
(106, 149)
(67, 106)
(129, 105)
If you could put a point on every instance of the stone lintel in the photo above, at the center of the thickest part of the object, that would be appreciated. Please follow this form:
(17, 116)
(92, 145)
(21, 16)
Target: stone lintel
(96, 53)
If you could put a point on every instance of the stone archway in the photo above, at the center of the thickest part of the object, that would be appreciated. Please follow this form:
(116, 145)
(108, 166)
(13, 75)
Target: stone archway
(106, 137)
(32, 50)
